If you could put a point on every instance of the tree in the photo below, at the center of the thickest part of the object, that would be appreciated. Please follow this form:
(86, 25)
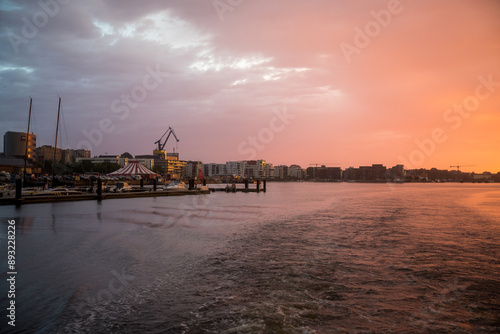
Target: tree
(158, 169)
(106, 167)
(127, 155)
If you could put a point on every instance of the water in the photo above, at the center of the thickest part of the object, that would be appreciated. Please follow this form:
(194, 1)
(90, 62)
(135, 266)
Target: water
(301, 258)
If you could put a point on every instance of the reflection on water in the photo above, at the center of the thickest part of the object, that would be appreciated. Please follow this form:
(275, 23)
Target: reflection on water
(301, 258)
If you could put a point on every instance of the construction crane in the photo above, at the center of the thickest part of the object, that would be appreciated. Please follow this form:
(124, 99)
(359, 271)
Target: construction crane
(458, 166)
(320, 164)
(161, 146)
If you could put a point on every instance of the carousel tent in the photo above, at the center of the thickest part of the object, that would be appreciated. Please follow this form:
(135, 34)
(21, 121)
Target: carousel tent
(133, 168)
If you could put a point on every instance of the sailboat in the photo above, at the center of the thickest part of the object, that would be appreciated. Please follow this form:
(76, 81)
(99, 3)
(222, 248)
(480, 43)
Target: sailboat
(54, 182)
(27, 144)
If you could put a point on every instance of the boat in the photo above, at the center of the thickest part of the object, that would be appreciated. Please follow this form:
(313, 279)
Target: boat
(5, 177)
(7, 190)
(175, 185)
(120, 187)
(57, 192)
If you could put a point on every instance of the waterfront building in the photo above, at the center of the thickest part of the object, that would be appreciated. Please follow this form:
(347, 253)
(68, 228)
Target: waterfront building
(192, 168)
(66, 156)
(214, 170)
(69, 156)
(112, 159)
(351, 174)
(169, 165)
(174, 167)
(236, 168)
(267, 171)
(485, 176)
(280, 172)
(14, 145)
(375, 172)
(296, 172)
(325, 173)
(15, 166)
(379, 172)
(397, 173)
(46, 153)
(256, 169)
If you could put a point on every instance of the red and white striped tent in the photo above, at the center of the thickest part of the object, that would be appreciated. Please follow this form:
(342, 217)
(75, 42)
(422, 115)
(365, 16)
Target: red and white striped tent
(133, 168)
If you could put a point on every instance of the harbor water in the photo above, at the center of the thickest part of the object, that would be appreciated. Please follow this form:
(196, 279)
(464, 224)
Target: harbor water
(301, 258)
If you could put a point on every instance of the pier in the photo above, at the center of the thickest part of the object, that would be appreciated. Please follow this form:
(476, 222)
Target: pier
(95, 196)
(19, 199)
(260, 186)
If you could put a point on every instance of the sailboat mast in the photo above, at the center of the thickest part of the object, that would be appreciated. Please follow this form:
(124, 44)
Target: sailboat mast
(27, 141)
(55, 146)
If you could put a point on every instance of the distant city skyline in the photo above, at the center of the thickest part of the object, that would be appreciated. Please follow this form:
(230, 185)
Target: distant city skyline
(299, 82)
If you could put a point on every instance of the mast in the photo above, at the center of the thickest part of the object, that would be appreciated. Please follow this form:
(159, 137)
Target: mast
(27, 141)
(55, 146)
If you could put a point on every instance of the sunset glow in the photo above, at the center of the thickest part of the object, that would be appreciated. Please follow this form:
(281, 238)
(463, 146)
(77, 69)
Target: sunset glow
(413, 82)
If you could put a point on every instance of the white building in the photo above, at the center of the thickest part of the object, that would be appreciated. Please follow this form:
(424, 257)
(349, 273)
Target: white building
(212, 170)
(296, 172)
(236, 168)
(280, 172)
(191, 170)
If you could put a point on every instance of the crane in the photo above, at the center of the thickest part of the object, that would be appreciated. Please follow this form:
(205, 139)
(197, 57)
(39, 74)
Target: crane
(320, 164)
(161, 145)
(458, 166)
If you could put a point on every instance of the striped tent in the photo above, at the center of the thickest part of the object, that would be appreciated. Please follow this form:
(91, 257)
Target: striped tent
(133, 168)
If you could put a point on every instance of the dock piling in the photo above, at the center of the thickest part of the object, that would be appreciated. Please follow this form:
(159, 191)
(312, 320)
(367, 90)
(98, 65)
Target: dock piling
(99, 189)
(19, 186)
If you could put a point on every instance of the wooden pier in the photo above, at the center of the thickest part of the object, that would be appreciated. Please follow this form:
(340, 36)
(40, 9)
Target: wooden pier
(233, 188)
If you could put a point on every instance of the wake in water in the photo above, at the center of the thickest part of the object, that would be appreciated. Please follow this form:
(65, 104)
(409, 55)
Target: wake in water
(325, 259)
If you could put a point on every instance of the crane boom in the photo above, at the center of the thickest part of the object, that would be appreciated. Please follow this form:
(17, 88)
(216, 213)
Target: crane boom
(458, 166)
(169, 132)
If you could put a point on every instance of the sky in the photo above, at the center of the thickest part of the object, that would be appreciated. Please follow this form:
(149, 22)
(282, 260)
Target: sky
(291, 82)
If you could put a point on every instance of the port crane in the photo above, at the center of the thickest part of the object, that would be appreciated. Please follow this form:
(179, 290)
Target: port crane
(161, 145)
(458, 166)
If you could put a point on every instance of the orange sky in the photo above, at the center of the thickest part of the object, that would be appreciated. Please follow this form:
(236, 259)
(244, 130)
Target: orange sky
(226, 73)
